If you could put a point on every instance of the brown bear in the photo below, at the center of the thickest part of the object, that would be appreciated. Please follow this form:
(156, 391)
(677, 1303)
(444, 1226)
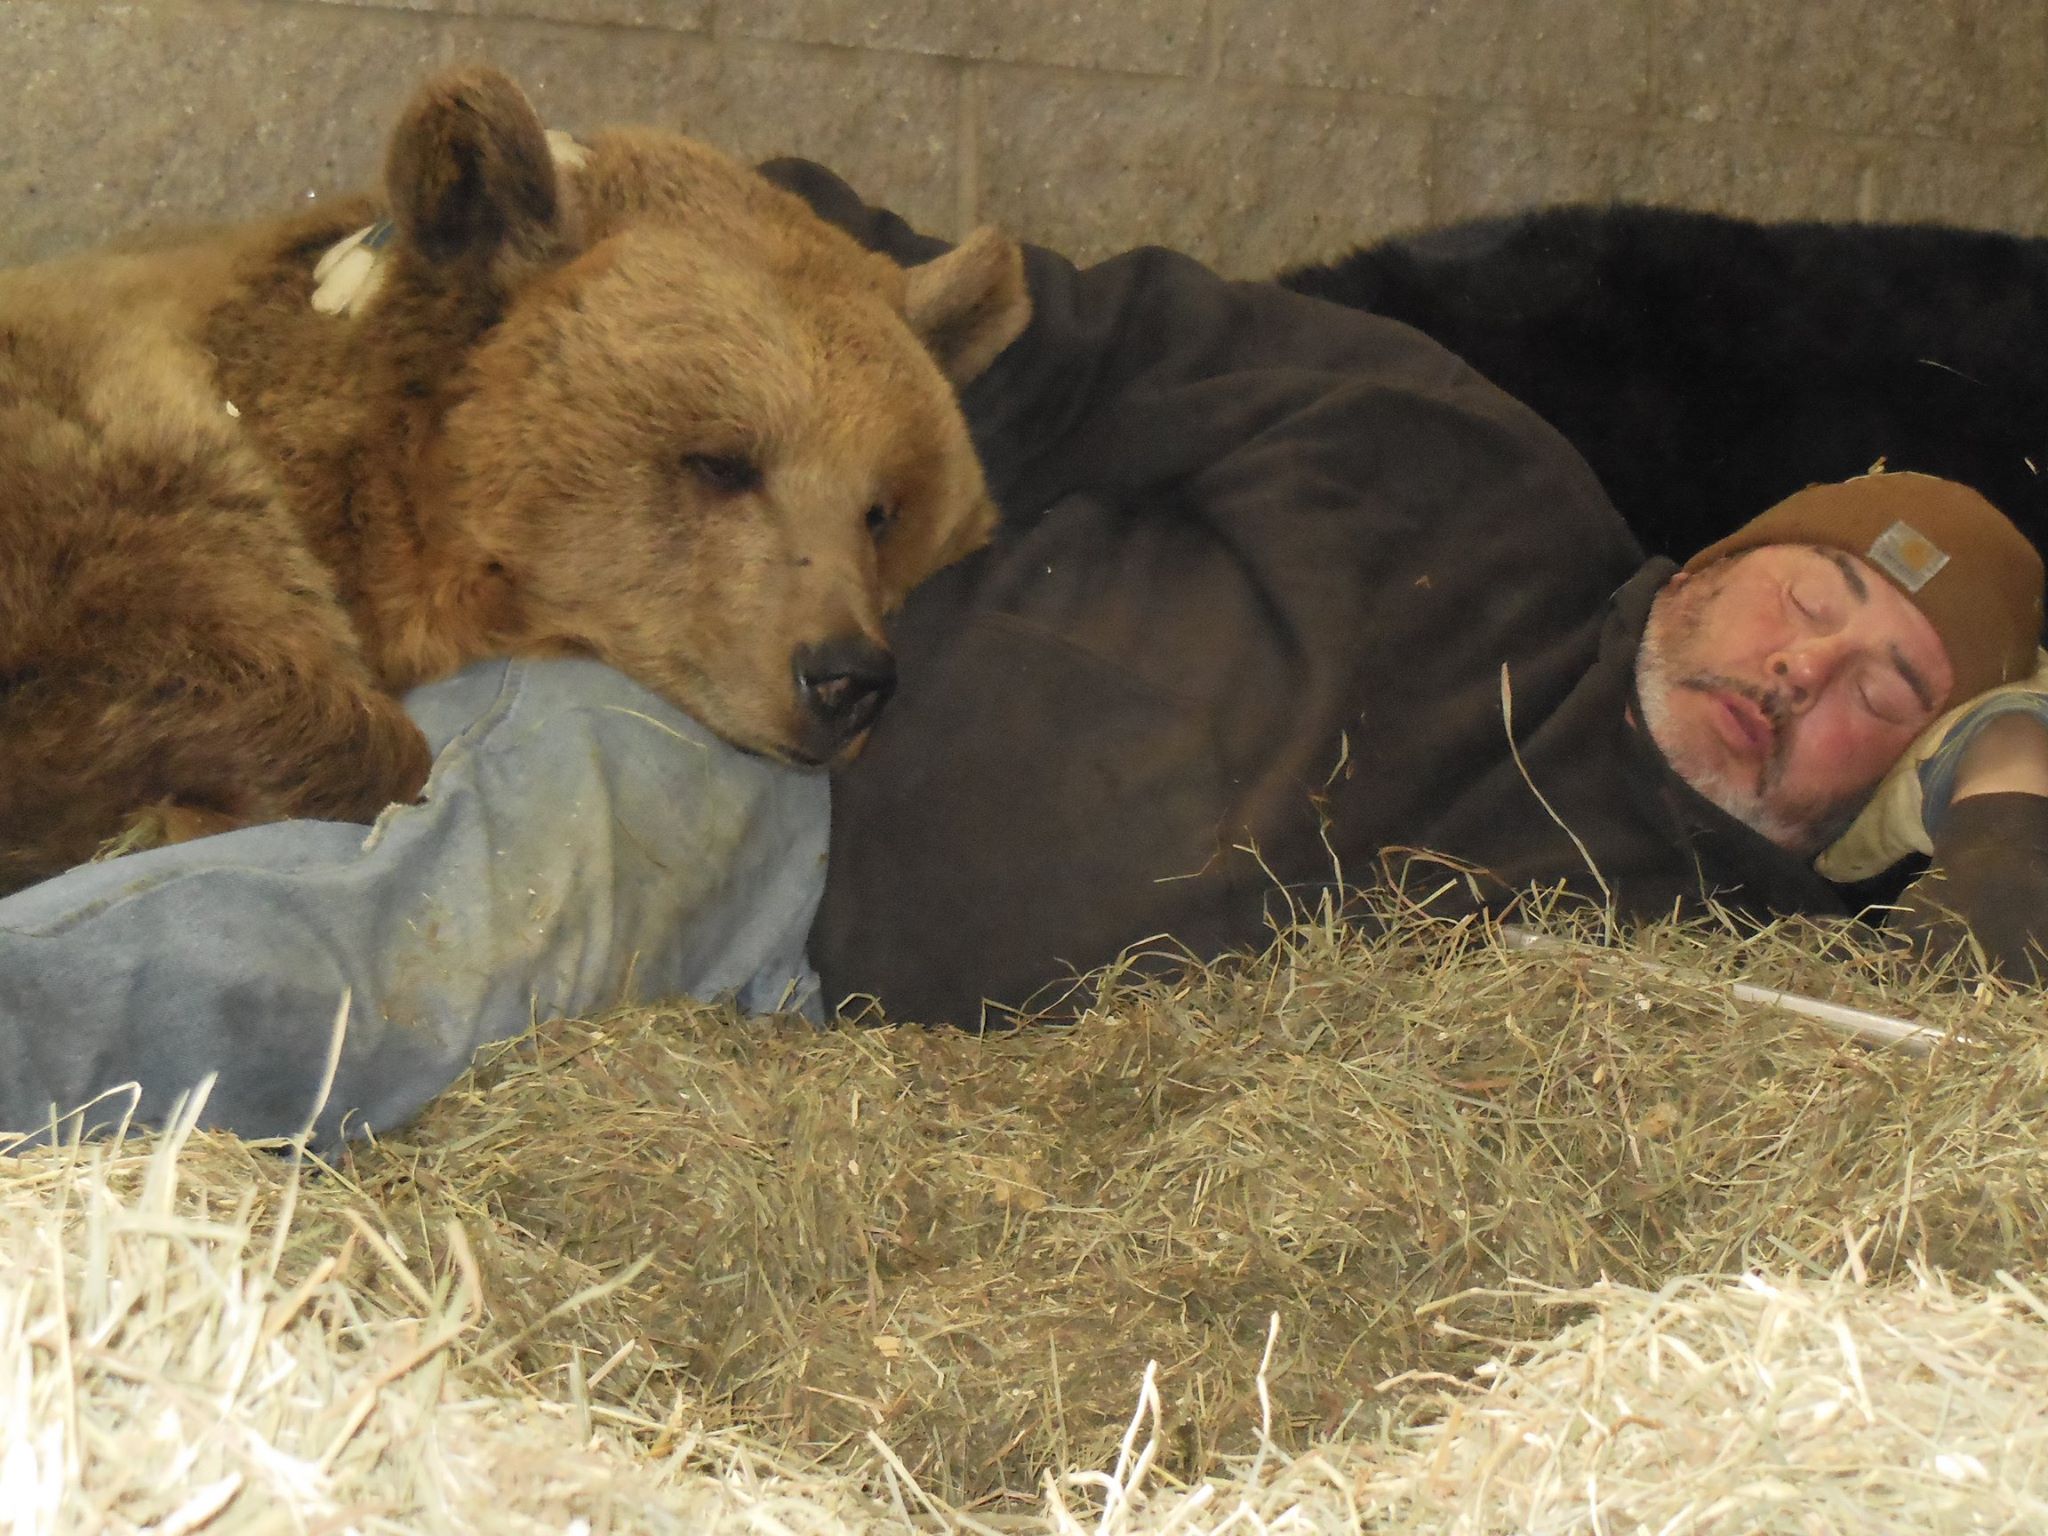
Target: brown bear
(640, 405)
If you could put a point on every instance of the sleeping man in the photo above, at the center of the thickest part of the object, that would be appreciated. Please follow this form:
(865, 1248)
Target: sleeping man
(1284, 598)
(1285, 595)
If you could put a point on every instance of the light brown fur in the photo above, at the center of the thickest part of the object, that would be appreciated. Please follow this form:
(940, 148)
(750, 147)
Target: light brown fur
(528, 442)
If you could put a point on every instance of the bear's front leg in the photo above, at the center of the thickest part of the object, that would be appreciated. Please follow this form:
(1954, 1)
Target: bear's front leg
(187, 674)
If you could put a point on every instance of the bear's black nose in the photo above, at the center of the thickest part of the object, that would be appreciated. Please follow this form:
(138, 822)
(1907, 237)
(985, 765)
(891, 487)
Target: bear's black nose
(844, 683)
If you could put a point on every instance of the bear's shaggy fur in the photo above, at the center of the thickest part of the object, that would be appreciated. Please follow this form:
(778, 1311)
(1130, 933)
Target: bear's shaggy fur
(649, 409)
(1709, 366)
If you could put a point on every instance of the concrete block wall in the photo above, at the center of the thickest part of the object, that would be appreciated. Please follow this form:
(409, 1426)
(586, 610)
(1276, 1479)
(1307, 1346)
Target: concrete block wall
(1250, 132)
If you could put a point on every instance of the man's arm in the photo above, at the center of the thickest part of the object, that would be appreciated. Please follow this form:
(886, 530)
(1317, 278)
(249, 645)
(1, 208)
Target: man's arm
(2009, 756)
(581, 845)
(1989, 882)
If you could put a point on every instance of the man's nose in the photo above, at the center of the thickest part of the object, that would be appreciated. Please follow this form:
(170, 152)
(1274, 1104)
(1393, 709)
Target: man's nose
(1803, 668)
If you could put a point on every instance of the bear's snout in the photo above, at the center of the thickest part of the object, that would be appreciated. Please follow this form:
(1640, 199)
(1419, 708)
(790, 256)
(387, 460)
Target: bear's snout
(842, 684)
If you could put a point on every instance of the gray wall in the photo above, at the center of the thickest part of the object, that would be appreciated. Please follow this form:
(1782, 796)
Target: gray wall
(1252, 132)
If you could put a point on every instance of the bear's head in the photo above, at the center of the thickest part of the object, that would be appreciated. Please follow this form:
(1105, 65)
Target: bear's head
(706, 436)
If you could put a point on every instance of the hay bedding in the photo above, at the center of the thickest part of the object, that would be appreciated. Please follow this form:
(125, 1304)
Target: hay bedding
(670, 1269)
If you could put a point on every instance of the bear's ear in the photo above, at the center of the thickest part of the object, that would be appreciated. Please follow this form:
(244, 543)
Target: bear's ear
(469, 173)
(970, 303)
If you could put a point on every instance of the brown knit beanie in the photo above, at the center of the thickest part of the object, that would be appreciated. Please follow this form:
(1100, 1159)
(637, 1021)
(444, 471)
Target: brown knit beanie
(1958, 559)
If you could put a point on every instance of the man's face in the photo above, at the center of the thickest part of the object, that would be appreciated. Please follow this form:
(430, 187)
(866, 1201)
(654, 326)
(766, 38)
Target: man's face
(1782, 682)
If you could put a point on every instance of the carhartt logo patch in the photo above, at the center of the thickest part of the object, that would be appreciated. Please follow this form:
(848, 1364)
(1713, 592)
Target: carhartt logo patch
(1907, 555)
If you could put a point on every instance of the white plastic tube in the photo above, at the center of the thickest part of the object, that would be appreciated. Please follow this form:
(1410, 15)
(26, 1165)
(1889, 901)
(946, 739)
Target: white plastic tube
(1873, 1028)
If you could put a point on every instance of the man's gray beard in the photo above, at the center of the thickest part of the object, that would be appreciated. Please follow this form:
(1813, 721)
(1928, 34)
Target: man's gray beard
(1655, 685)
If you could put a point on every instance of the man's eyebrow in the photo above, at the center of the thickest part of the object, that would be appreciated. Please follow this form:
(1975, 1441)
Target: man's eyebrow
(1914, 679)
(1859, 588)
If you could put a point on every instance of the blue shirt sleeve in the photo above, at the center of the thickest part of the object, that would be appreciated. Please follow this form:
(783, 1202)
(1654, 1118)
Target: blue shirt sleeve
(581, 845)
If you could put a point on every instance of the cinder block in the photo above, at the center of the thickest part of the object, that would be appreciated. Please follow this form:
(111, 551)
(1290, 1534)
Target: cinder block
(1585, 54)
(1978, 186)
(1146, 36)
(130, 117)
(1245, 180)
(680, 15)
(1495, 163)
(889, 123)
(126, 118)
(1761, 173)
(1973, 70)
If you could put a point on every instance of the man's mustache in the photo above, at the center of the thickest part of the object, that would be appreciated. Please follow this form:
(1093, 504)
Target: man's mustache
(1770, 703)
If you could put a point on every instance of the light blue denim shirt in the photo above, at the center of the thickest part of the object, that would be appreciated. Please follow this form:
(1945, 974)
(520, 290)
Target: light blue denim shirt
(581, 845)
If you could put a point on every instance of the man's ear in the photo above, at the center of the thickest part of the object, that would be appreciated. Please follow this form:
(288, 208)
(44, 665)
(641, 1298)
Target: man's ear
(469, 173)
(969, 304)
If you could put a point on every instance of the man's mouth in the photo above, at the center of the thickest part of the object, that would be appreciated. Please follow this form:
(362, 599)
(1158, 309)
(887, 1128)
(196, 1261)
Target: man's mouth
(1742, 725)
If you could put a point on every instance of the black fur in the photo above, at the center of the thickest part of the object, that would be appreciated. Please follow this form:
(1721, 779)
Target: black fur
(1708, 366)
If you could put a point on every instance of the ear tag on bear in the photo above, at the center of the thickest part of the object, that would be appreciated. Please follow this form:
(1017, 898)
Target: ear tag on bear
(347, 275)
(1906, 555)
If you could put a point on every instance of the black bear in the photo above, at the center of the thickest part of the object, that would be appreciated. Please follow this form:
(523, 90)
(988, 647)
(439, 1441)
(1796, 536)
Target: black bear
(1708, 366)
